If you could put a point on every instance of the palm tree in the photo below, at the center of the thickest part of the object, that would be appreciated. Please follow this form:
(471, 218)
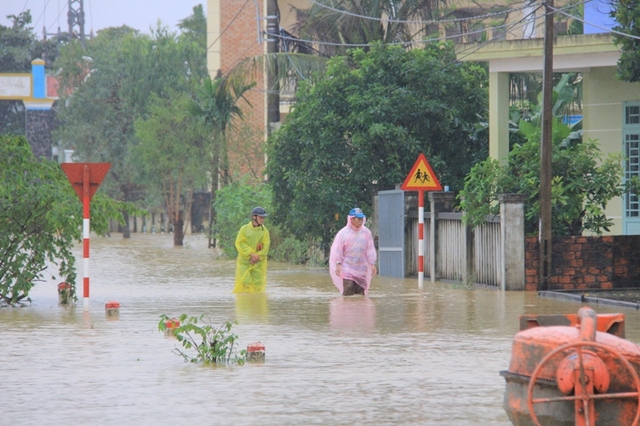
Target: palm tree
(215, 109)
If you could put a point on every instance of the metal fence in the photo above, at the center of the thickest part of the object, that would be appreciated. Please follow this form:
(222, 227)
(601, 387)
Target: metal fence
(452, 250)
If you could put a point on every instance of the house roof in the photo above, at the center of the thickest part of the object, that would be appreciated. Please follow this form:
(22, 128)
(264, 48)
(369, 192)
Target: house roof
(570, 53)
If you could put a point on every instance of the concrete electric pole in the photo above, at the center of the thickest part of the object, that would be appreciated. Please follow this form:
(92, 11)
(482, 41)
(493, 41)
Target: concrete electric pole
(546, 147)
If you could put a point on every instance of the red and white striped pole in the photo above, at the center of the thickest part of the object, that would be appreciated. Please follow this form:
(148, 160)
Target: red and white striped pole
(86, 210)
(85, 178)
(420, 239)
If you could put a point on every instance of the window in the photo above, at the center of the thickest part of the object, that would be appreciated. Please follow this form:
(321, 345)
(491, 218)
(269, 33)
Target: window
(632, 153)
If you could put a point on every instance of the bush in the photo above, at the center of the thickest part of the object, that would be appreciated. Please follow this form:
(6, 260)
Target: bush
(582, 184)
(212, 345)
(233, 207)
(40, 218)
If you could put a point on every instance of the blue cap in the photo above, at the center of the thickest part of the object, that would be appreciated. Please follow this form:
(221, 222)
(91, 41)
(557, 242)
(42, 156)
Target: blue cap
(356, 212)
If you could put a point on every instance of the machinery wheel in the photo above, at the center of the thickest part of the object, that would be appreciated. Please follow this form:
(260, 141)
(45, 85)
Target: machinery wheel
(585, 398)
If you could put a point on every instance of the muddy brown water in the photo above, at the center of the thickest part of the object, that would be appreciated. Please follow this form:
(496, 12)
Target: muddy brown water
(402, 356)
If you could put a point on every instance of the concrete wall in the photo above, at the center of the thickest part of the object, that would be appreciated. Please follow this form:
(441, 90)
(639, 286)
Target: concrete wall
(39, 125)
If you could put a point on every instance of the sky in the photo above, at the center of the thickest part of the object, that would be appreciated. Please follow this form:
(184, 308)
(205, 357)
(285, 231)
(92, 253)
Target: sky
(99, 14)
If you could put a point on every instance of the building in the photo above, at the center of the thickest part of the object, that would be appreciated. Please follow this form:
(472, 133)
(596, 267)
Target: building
(611, 108)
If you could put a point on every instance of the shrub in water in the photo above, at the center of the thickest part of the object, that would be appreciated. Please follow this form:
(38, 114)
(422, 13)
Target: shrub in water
(211, 345)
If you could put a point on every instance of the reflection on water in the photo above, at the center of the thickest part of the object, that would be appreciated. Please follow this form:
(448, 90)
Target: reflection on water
(357, 313)
(403, 355)
(252, 308)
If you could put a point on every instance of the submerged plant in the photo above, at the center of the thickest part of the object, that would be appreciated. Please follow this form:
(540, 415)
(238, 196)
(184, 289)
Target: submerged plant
(212, 345)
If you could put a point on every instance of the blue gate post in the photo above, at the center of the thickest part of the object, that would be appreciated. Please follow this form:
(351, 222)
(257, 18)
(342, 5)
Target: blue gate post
(391, 226)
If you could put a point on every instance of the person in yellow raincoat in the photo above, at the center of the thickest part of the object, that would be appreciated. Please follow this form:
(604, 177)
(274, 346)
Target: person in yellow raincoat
(253, 244)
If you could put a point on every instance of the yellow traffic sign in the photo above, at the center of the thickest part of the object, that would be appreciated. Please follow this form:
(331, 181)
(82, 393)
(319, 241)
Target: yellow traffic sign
(421, 177)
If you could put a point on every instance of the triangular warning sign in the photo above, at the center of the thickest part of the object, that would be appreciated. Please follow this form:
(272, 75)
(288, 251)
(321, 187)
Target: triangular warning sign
(421, 177)
(94, 173)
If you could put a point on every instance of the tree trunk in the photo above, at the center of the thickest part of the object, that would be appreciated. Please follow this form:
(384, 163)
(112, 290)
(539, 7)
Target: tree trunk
(178, 230)
(126, 232)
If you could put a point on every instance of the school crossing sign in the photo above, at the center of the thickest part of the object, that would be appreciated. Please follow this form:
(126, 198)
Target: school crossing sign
(421, 177)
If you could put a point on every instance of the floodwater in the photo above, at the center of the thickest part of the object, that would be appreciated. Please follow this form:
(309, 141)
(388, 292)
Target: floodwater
(402, 356)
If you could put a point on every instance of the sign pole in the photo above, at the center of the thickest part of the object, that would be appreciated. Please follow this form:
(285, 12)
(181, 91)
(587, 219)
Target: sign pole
(85, 178)
(421, 178)
(420, 239)
(86, 214)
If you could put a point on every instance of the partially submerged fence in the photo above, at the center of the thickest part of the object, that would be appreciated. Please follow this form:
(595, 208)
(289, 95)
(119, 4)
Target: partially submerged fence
(491, 254)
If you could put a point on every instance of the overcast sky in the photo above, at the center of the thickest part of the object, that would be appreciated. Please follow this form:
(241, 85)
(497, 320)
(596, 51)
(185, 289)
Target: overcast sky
(99, 14)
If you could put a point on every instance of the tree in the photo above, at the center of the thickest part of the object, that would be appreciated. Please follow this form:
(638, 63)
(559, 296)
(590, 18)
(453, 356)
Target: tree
(627, 15)
(110, 85)
(233, 205)
(582, 183)
(40, 219)
(170, 158)
(214, 110)
(16, 54)
(18, 47)
(364, 124)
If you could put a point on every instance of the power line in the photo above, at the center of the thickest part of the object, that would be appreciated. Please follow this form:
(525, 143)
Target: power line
(58, 17)
(594, 25)
(91, 17)
(228, 25)
(438, 21)
(403, 43)
(475, 48)
(41, 13)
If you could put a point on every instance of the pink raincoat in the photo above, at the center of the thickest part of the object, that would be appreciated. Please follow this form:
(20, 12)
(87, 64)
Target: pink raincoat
(354, 249)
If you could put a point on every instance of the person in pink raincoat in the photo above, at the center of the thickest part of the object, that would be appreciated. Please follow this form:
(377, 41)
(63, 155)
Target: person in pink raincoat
(352, 261)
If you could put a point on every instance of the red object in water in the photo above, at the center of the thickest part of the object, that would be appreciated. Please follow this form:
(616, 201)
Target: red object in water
(255, 347)
(112, 308)
(172, 323)
(112, 305)
(578, 367)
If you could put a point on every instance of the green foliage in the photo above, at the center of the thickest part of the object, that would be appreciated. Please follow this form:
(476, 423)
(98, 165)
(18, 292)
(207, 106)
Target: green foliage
(582, 184)
(233, 205)
(110, 84)
(214, 110)
(16, 52)
(211, 345)
(627, 15)
(169, 156)
(40, 219)
(362, 126)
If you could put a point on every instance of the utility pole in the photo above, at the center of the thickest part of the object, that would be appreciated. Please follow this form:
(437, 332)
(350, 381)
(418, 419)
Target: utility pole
(546, 146)
(271, 84)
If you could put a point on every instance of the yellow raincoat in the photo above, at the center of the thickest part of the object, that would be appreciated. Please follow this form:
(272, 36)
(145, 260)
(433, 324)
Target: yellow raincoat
(252, 278)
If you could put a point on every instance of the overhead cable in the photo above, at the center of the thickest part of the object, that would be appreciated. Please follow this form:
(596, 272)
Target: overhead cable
(593, 25)
(228, 25)
(438, 21)
(402, 43)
